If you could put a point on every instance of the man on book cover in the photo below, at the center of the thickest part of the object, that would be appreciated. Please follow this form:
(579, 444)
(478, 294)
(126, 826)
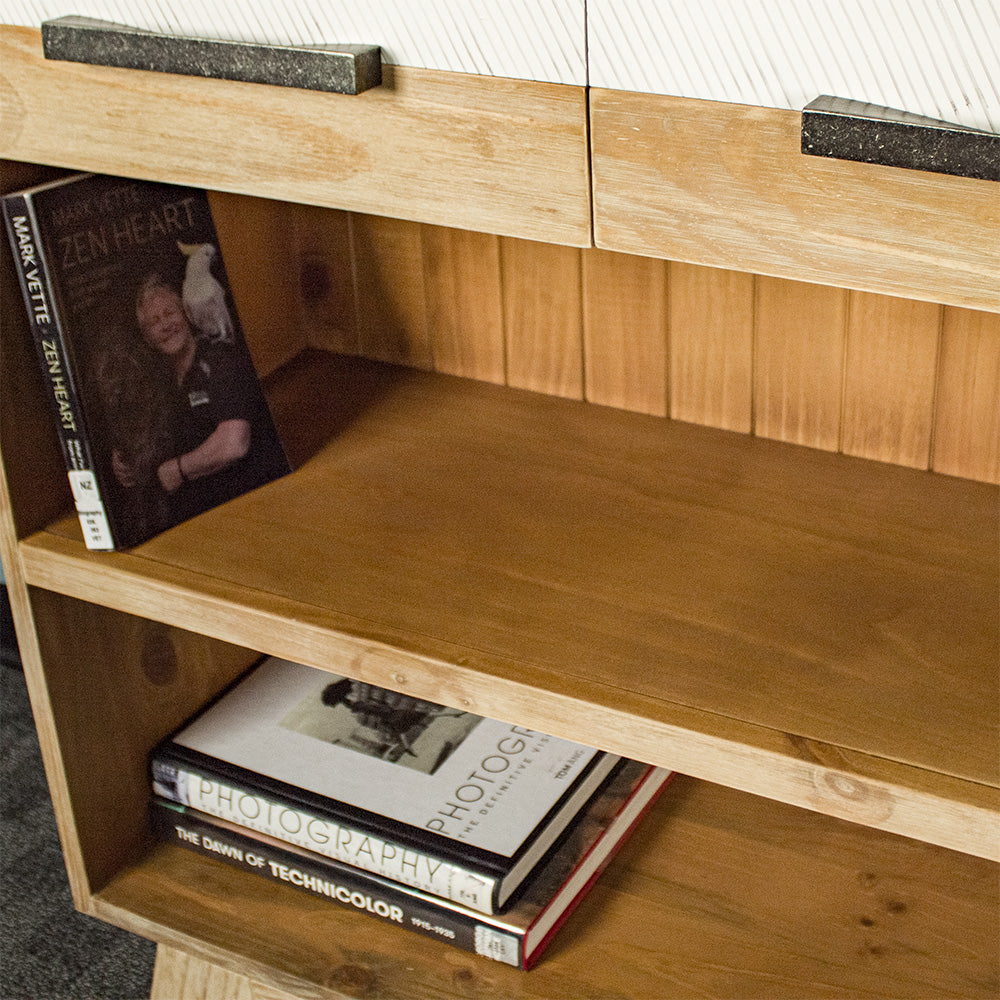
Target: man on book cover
(205, 413)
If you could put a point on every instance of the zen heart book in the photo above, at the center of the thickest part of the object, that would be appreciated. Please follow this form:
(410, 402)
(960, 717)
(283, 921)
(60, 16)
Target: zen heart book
(518, 936)
(158, 407)
(442, 800)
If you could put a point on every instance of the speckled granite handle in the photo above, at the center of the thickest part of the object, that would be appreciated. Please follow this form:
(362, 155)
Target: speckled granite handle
(852, 130)
(341, 69)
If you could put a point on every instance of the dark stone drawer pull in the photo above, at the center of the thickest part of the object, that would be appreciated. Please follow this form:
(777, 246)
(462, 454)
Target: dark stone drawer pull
(340, 69)
(868, 133)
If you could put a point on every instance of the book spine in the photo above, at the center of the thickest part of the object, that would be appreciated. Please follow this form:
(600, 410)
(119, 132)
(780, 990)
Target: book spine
(341, 884)
(47, 333)
(325, 835)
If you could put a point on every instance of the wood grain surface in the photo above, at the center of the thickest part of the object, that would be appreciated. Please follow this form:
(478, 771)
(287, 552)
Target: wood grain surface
(803, 623)
(763, 610)
(967, 419)
(718, 896)
(515, 149)
(728, 185)
(891, 379)
(712, 336)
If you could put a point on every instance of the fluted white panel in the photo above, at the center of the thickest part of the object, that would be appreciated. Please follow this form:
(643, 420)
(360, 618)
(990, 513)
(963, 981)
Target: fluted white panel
(939, 58)
(526, 39)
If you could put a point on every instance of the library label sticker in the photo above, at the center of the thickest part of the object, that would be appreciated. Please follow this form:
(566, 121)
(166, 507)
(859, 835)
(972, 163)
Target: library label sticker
(93, 520)
(493, 944)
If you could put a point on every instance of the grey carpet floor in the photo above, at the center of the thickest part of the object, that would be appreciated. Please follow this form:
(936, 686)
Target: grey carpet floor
(48, 951)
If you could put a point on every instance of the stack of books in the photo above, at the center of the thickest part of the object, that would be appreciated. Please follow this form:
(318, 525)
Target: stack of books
(476, 832)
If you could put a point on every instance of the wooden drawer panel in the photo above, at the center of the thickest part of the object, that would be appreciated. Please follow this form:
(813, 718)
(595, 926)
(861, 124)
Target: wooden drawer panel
(726, 185)
(515, 150)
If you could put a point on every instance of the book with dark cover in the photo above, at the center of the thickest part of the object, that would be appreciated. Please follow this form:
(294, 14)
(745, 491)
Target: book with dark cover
(443, 800)
(517, 936)
(159, 409)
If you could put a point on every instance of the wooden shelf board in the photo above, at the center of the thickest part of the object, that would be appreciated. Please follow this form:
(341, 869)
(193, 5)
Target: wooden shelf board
(812, 627)
(718, 895)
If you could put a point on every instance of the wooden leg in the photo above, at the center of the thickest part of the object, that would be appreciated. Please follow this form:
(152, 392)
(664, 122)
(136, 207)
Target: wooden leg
(179, 976)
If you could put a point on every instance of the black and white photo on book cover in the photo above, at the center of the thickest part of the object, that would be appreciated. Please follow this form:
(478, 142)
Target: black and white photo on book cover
(159, 407)
(383, 724)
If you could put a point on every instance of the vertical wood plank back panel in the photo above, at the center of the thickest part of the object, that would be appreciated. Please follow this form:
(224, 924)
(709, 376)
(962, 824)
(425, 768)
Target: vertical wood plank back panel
(967, 421)
(799, 362)
(892, 348)
(811, 364)
(625, 331)
(543, 323)
(392, 308)
(261, 279)
(328, 306)
(464, 302)
(711, 346)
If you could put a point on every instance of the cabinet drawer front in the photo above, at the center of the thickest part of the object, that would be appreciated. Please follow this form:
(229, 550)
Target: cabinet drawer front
(523, 39)
(727, 185)
(494, 155)
(940, 60)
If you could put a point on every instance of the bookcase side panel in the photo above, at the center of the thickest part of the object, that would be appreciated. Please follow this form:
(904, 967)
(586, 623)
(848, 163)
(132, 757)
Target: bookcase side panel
(41, 710)
(116, 685)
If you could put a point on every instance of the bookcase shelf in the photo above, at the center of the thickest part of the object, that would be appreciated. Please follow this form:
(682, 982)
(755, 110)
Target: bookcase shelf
(721, 893)
(681, 592)
(856, 918)
(810, 638)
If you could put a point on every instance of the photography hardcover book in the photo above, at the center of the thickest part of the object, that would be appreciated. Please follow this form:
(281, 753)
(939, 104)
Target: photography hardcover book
(159, 409)
(445, 801)
(517, 936)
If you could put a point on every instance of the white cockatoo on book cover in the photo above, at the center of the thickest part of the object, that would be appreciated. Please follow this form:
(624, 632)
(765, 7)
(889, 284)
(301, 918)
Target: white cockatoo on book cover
(203, 297)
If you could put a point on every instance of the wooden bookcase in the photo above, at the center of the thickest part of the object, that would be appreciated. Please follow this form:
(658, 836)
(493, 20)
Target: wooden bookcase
(739, 525)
